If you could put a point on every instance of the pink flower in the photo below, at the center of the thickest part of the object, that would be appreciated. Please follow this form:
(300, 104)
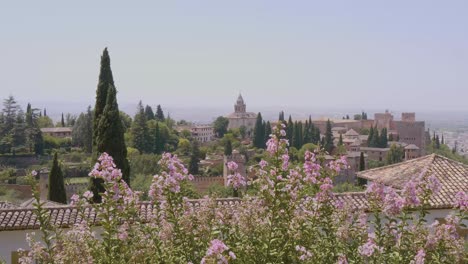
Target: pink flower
(393, 203)
(410, 194)
(88, 195)
(461, 200)
(216, 247)
(232, 165)
(263, 164)
(236, 180)
(419, 258)
(368, 248)
(34, 173)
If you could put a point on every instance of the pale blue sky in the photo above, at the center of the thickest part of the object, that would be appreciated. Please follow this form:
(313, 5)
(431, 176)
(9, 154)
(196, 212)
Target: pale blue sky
(401, 55)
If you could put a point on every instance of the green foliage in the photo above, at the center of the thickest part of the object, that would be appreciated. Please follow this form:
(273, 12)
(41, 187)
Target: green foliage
(228, 148)
(220, 191)
(194, 158)
(51, 142)
(220, 126)
(445, 151)
(45, 121)
(328, 146)
(159, 114)
(141, 138)
(56, 184)
(259, 132)
(82, 133)
(149, 113)
(396, 154)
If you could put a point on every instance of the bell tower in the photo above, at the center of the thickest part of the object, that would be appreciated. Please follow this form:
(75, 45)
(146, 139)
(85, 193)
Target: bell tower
(240, 106)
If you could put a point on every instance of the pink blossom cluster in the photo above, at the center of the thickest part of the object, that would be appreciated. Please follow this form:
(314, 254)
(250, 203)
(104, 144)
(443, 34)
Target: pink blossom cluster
(169, 180)
(215, 252)
(235, 179)
(461, 200)
(369, 248)
(105, 169)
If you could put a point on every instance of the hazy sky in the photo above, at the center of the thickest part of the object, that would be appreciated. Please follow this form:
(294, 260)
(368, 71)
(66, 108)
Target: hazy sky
(403, 55)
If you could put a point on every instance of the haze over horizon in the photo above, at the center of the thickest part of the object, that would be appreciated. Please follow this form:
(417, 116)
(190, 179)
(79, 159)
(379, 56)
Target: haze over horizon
(402, 56)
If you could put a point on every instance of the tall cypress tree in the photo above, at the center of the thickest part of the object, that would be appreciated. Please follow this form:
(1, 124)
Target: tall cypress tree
(110, 139)
(370, 137)
(362, 166)
(139, 129)
(105, 81)
(159, 113)
(228, 148)
(62, 122)
(383, 142)
(194, 158)
(149, 113)
(375, 142)
(290, 130)
(267, 132)
(259, 132)
(57, 191)
(340, 141)
(45, 112)
(158, 140)
(328, 138)
(281, 116)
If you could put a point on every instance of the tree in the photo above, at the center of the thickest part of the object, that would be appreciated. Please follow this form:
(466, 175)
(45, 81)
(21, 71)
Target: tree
(347, 117)
(158, 140)
(281, 116)
(340, 141)
(82, 133)
(383, 142)
(390, 137)
(267, 131)
(437, 142)
(395, 154)
(362, 167)
(45, 112)
(105, 81)
(139, 131)
(228, 148)
(259, 132)
(242, 131)
(442, 141)
(371, 136)
(56, 184)
(290, 130)
(110, 139)
(194, 158)
(62, 121)
(328, 143)
(159, 113)
(220, 126)
(149, 113)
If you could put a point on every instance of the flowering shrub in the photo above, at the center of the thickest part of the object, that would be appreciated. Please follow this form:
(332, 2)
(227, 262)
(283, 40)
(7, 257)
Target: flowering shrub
(294, 218)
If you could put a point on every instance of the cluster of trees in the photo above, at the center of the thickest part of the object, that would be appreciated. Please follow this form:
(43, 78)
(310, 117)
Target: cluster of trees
(152, 133)
(362, 116)
(261, 132)
(19, 131)
(377, 140)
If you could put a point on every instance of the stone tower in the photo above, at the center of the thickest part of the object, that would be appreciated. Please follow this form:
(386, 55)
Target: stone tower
(237, 158)
(240, 106)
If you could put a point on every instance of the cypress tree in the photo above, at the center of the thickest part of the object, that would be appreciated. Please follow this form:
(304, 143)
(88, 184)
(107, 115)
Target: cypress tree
(362, 166)
(340, 141)
(383, 138)
(139, 129)
(371, 136)
(110, 139)
(442, 141)
(390, 137)
(158, 141)
(328, 138)
(105, 81)
(194, 158)
(62, 122)
(159, 113)
(228, 148)
(56, 184)
(290, 130)
(281, 116)
(267, 132)
(375, 143)
(259, 132)
(437, 142)
(45, 112)
(149, 113)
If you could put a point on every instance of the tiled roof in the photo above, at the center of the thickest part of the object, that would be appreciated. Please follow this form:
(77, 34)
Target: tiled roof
(6, 205)
(452, 175)
(351, 132)
(30, 204)
(67, 215)
(411, 146)
(357, 200)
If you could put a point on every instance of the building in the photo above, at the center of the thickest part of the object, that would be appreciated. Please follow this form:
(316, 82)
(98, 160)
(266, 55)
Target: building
(202, 133)
(61, 132)
(242, 118)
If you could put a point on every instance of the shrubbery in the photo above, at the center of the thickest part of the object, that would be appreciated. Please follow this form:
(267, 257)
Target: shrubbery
(294, 218)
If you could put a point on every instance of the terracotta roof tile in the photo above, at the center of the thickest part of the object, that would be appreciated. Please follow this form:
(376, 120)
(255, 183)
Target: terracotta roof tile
(452, 175)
